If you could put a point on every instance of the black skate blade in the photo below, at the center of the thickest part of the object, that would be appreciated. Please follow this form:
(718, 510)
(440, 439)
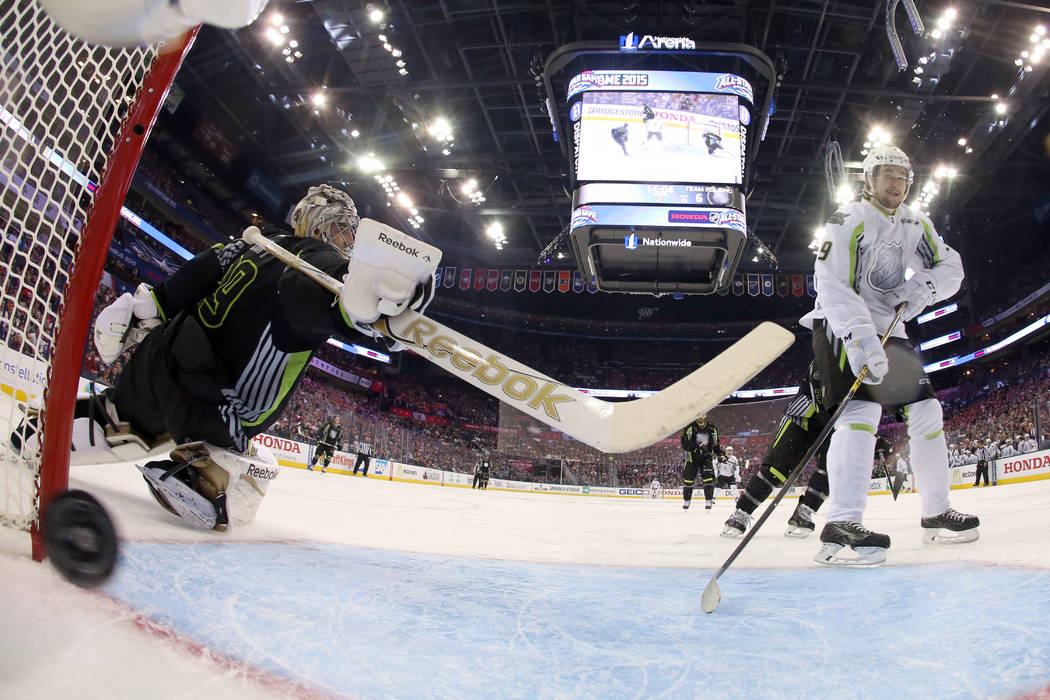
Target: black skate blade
(80, 539)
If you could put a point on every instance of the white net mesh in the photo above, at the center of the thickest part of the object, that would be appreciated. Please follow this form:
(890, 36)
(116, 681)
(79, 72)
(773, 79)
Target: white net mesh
(62, 103)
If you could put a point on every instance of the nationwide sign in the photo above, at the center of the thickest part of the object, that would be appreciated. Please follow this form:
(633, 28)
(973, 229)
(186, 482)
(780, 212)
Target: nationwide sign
(649, 42)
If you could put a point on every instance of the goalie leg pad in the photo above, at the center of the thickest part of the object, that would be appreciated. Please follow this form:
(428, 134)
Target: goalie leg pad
(241, 480)
(172, 485)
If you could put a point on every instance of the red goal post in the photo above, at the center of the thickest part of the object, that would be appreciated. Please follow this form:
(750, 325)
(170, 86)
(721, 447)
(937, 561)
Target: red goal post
(74, 119)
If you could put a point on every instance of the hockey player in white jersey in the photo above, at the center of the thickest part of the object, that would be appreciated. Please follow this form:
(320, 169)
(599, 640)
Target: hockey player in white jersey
(727, 470)
(860, 274)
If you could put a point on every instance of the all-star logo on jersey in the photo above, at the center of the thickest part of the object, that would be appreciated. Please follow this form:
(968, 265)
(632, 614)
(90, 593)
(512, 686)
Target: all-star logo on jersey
(888, 271)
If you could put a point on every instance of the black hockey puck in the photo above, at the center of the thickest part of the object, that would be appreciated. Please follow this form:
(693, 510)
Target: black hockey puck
(80, 539)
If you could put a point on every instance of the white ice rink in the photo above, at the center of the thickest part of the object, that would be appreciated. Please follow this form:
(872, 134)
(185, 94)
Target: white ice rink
(347, 587)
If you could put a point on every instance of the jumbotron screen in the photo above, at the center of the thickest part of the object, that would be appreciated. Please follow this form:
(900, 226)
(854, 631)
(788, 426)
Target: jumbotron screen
(660, 127)
(660, 137)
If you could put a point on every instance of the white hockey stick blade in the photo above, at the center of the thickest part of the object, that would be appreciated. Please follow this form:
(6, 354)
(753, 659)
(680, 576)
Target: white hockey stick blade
(606, 426)
(711, 597)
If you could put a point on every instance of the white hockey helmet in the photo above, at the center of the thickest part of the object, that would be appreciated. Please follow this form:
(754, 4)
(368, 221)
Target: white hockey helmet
(885, 155)
(729, 448)
(325, 213)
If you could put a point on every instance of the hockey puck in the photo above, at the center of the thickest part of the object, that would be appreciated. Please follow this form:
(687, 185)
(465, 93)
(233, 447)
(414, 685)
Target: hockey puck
(80, 539)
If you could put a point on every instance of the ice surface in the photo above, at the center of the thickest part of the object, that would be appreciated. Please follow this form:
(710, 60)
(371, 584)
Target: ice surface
(349, 587)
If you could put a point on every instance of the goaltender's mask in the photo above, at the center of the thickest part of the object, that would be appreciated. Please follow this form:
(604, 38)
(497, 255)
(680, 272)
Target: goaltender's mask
(329, 214)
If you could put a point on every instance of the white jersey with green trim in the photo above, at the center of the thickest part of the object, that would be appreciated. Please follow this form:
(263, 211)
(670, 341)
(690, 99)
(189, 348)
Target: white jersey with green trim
(864, 256)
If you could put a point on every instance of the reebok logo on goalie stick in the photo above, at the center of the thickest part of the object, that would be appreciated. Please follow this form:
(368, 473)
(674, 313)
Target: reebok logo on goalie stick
(261, 472)
(537, 392)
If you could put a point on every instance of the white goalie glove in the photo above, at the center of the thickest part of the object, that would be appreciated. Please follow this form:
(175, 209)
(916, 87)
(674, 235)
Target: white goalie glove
(125, 322)
(390, 272)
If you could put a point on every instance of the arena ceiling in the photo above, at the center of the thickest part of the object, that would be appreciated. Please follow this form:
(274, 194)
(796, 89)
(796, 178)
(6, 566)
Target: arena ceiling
(350, 87)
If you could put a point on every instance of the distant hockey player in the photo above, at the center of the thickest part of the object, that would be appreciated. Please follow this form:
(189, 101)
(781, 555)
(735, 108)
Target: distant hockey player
(328, 441)
(728, 469)
(860, 280)
(700, 442)
(619, 135)
(237, 329)
(364, 456)
(713, 141)
(654, 126)
(803, 420)
(482, 471)
(654, 489)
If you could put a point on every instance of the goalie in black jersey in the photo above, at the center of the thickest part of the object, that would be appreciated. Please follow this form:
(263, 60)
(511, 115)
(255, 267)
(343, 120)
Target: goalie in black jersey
(232, 334)
(700, 442)
(713, 141)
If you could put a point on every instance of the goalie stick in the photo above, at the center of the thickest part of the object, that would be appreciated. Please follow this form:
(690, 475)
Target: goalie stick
(606, 426)
(712, 596)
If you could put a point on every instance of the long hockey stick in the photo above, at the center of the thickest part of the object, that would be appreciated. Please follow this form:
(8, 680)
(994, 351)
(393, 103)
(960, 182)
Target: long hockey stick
(605, 426)
(712, 596)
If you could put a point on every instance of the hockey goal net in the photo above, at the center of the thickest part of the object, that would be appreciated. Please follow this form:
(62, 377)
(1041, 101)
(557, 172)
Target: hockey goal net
(73, 121)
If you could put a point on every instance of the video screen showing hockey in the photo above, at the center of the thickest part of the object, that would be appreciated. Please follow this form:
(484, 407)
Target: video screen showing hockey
(659, 137)
(304, 394)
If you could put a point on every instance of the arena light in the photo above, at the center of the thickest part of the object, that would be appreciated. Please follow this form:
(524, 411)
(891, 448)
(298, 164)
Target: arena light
(375, 15)
(369, 163)
(404, 200)
(275, 37)
(318, 99)
(878, 135)
(441, 130)
(844, 194)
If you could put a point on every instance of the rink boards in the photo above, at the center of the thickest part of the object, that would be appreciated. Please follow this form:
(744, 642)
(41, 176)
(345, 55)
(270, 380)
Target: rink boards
(294, 454)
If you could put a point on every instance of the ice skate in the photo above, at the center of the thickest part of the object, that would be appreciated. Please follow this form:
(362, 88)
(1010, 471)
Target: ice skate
(737, 524)
(709, 504)
(800, 524)
(685, 506)
(173, 485)
(950, 527)
(870, 547)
